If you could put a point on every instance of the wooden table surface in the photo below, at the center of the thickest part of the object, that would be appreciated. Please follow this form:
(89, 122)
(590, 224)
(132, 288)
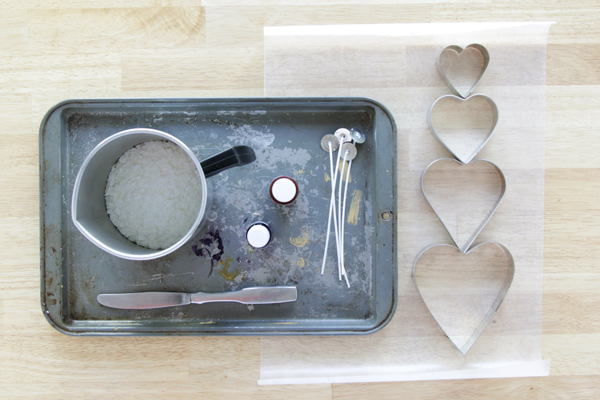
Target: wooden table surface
(54, 50)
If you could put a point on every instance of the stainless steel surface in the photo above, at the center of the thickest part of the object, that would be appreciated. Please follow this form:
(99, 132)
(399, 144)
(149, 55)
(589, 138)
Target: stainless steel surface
(255, 295)
(477, 149)
(501, 294)
(286, 136)
(465, 247)
(147, 300)
(144, 300)
(88, 207)
(486, 60)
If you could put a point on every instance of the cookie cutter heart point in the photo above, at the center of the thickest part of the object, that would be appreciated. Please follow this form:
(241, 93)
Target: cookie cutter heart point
(465, 159)
(459, 50)
(464, 247)
(463, 297)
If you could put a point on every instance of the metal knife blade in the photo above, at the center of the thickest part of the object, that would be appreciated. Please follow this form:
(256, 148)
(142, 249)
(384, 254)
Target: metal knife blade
(146, 300)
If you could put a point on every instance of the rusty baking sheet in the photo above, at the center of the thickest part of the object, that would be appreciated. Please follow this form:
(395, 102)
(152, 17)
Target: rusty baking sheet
(285, 134)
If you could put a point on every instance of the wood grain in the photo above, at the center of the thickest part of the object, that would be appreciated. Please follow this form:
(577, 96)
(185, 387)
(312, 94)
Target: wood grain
(30, 72)
(19, 179)
(584, 387)
(574, 64)
(2, 320)
(568, 313)
(114, 30)
(205, 69)
(55, 50)
(35, 360)
(575, 20)
(572, 221)
(271, 3)
(573, 354)
(81, 4)
(218, 371)
(166, 390)
(243, 26)
(13, 35)
(570, 112)
(14, 119)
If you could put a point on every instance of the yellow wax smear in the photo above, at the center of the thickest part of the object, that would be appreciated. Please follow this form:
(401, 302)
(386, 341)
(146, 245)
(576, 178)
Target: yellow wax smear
(302, 240)
(301, 263)
(354, 207)
(327, 178)
(300, 171)
(225, 273)
(343, 167)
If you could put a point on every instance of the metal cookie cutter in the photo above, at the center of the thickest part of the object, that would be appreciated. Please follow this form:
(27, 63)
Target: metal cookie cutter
(477, 149)
(459, 50)
(463, 325)
(464, 247)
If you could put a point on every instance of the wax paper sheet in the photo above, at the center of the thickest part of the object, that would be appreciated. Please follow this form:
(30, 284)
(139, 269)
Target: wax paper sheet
(396, 65)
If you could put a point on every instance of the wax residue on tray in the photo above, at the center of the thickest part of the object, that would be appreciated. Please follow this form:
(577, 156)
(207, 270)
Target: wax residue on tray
(226, 273)
(247, 135)
(344, 171)
(272, 157)
(354, 207)
(302, 240)
(300, 262)
(343, 168)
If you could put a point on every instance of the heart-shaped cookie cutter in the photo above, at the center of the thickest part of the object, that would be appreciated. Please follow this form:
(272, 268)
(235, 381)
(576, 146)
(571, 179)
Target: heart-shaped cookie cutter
(486, 61)
(465, 247)
(495, 117)
(462, 345)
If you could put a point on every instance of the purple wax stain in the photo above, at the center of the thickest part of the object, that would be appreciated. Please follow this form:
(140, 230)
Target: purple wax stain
(210, 247)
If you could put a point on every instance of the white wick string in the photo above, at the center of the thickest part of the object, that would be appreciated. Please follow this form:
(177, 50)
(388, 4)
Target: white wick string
(343, 221)
(341, 217)
(331, 207)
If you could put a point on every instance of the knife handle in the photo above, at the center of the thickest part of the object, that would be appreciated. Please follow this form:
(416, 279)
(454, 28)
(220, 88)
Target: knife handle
(254, 295)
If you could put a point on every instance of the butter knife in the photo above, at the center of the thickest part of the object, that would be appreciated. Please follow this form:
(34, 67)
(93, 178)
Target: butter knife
(145, 300)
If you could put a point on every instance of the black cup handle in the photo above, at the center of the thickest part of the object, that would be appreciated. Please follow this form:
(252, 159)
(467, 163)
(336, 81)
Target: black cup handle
(234, 157)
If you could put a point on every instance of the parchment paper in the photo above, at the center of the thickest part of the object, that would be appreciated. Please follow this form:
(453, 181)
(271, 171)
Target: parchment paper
(396, 65)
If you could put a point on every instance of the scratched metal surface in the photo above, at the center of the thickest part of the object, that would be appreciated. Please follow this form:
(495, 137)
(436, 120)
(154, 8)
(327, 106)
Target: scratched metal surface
(285, 134)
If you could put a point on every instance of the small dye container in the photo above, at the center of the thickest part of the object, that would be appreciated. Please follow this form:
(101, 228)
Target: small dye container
(283, 190)
(258, 235)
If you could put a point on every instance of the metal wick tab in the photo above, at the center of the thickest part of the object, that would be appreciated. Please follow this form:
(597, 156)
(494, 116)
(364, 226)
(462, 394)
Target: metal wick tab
(330, 140)
(343, 135)
(357, 136)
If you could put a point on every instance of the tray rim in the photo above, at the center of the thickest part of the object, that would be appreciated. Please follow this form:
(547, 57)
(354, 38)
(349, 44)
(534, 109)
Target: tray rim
(63, 328)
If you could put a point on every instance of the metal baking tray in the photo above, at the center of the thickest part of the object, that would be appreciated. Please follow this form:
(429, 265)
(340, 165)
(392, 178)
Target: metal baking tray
(285, 134)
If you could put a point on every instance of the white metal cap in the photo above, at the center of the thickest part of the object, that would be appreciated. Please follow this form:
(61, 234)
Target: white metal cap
(284, 190)
(258, 235)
